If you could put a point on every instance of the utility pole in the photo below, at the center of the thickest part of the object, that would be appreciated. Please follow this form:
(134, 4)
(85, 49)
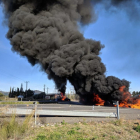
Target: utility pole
(55, 89)
(44, 88)
(26, 84)
(26, 87)
(47, 90)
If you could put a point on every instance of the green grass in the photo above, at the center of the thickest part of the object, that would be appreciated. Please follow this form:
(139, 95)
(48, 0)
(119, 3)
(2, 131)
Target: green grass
(41, 137)
(137, 128)
(63, 122)
(113, 130)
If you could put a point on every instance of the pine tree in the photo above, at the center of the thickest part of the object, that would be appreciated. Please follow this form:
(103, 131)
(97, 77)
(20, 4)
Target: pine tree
(137, 93)
(21, 88)
(133, 93)
(10, 89)
(10, 92)
(18, 93)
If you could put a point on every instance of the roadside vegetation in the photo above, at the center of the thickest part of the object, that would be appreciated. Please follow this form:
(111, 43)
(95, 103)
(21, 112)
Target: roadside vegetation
(13, 129)
(25, 130)
(15, 103)
(6, 100)
(14, 100)
(1, 96)
(114, 130)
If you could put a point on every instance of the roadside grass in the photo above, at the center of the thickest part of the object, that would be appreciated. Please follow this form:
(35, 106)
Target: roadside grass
(137, 128)
(12, 128)
(2, 98)
(6, 100)
(91, 131)
(17, 102)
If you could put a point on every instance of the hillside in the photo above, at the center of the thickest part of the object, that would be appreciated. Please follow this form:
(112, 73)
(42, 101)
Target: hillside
(4, 93)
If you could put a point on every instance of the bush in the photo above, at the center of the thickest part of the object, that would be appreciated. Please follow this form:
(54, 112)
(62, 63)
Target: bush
(137, 128)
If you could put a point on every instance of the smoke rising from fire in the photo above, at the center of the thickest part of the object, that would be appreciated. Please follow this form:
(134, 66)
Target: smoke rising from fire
(46, 32)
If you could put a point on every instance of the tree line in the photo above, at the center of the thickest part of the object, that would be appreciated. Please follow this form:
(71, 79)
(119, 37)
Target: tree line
(135, 93)
(14, 93)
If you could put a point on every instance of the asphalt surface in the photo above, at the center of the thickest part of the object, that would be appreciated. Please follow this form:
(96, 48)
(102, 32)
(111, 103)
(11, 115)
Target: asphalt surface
(125, 113)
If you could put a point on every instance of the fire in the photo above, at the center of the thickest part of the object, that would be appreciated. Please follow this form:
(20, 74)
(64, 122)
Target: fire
(63, 97)
(129, 101)
(97, 100)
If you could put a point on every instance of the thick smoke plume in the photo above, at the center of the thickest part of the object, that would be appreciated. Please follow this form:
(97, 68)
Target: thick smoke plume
(46, 32)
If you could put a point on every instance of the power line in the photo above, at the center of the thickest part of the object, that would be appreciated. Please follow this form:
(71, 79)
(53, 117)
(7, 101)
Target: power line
(8, 74)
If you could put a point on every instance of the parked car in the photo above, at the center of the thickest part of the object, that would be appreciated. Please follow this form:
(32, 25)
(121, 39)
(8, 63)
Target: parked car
(20, 97)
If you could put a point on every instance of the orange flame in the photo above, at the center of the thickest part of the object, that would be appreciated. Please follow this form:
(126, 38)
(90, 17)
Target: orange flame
(97, 100)
(63, 97)
(129, 101)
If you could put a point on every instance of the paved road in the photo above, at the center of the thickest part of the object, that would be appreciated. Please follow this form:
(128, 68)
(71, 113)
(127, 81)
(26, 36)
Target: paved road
(125, 113)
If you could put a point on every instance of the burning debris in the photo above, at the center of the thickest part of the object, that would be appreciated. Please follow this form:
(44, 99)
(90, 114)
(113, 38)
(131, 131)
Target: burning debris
(46, 33)
(62, 92)
(128, 100)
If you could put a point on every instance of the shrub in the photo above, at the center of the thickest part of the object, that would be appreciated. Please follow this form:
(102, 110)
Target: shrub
(137, 128)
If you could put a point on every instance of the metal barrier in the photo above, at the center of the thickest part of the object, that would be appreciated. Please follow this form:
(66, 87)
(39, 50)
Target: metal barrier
(49, 112)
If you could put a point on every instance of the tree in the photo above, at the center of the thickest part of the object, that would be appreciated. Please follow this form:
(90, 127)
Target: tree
(30, 93)
(18, 93)
(21, 88)
(10, 89)
(137, 93)
(133, 93)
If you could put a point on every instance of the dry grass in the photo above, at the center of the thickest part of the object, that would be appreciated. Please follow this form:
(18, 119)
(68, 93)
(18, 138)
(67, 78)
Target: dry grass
(6, 98)
(12, 128)
(16, 102)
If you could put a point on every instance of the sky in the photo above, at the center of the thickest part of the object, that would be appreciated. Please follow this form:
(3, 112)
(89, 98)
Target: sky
(119, 33)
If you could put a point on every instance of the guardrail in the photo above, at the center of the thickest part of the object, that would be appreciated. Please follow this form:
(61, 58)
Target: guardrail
(72, 113)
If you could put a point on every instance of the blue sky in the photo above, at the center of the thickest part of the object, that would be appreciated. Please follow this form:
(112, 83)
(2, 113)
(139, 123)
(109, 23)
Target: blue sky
(119, 34)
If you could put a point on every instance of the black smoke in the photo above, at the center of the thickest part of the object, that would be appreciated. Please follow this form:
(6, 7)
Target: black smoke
(46, 33)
